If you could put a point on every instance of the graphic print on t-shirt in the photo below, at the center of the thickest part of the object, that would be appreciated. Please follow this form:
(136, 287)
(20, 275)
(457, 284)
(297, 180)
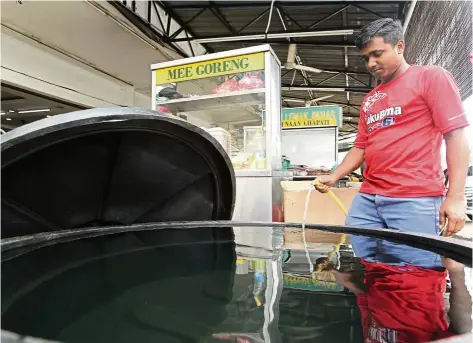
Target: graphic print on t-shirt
(369, 101)
(380, 118)
(378, 334)
(383, 118)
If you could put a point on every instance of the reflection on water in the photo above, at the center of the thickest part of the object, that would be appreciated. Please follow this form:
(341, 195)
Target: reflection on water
(197, 285)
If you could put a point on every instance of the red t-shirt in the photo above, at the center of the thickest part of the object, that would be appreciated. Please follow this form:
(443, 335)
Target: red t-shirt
(401, 127)
(403, 304)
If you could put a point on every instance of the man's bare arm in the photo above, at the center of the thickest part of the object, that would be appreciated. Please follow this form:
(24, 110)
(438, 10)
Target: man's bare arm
(458, 160)
(352, 161)
(354, 281)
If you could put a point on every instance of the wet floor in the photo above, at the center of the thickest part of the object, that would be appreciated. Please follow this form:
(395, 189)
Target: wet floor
(207, 285)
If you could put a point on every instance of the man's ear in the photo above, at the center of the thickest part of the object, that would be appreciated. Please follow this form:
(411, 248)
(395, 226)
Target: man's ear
(400, 46)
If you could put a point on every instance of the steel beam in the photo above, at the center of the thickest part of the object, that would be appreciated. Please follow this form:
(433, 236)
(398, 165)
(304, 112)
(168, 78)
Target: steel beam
(144, 27)
(222, 19)
(356, 4)
(190, 46)
(288, 16)
(341, 103)
(357, 80)
(254, 33)
(327, 79)
(343, 71)
(328, 17)
(261, 15)
(346, 133)
(168, 25)
(157, 15)
(298, 57)
(260, 4)
(353, 126)
(296, 41)
(171, 13)
(304, 77)
(346, 89)
(186, 25)
(287, 72)
(355, 108)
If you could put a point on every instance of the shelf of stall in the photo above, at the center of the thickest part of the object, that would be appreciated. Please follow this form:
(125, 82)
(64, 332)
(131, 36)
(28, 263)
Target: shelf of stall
(223, 117)
(215, 101)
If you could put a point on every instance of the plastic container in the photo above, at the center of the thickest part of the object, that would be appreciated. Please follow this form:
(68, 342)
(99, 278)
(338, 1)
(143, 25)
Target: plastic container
(115, 166)
(223, 137)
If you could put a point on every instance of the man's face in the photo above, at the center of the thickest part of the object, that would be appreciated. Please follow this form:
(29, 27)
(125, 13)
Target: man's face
(382, 59)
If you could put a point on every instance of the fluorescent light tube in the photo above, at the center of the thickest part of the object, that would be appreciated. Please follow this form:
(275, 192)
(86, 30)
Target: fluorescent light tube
(310, 34)
(35, 111)
(313, 89)
(274, 36)
(229, 39)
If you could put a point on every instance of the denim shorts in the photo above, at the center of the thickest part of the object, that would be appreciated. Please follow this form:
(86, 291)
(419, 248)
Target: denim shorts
(404, 214)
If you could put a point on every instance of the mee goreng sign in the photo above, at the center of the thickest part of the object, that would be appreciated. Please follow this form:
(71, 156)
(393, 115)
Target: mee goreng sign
(316, 116)
(212, 68)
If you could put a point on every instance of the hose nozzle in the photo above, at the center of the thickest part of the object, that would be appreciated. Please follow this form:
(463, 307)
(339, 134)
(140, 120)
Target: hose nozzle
(320, 186)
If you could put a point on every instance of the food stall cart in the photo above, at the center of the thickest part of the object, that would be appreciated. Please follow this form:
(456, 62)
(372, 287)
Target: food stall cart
(235, 96)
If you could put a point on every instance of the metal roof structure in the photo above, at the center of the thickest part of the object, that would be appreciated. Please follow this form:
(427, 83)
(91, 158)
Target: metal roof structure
(214, 26)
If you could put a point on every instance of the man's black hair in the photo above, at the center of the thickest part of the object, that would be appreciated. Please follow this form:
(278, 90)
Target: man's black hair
(389, 29)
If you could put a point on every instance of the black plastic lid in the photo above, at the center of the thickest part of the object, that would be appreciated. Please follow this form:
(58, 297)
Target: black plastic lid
(111, 166)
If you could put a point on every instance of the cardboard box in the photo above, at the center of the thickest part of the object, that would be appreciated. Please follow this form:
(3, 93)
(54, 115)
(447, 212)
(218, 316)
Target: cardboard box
(322, 210)
(293, 238)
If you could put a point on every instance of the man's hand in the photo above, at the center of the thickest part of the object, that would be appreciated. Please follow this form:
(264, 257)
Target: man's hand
(353, 160)
(452, 215)
(325, 182)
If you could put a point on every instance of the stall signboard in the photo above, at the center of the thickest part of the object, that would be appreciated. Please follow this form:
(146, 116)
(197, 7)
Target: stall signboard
(211, 68)
(324, 281)
(316, 116)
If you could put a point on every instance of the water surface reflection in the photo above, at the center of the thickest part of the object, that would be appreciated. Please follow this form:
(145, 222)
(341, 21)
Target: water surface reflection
(198, 285)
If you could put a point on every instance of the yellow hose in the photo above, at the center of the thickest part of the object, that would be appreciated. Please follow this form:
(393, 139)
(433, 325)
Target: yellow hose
(258, 302)
(338, 202)
(343, 238)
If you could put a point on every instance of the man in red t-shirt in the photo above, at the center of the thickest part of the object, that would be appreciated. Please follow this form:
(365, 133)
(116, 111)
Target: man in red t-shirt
(402, 124)
(405, 304)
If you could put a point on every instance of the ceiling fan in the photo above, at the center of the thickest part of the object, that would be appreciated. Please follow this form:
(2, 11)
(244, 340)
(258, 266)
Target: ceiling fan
(291, 62)
(309, 102)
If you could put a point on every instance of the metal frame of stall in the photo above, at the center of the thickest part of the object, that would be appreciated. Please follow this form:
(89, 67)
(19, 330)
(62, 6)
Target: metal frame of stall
(258, 192)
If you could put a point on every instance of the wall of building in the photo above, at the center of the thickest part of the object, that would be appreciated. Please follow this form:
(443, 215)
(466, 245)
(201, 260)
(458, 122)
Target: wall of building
(441, 33)
(28, 64)
(83, 52)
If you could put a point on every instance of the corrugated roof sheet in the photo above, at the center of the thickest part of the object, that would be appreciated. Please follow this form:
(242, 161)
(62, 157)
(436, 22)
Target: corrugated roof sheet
(300, 16)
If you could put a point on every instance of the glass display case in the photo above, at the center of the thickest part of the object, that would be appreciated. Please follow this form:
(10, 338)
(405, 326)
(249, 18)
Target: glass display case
(235, 96)
(231, 90)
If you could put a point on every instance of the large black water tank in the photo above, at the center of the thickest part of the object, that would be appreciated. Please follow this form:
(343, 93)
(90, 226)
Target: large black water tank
(111, 166)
